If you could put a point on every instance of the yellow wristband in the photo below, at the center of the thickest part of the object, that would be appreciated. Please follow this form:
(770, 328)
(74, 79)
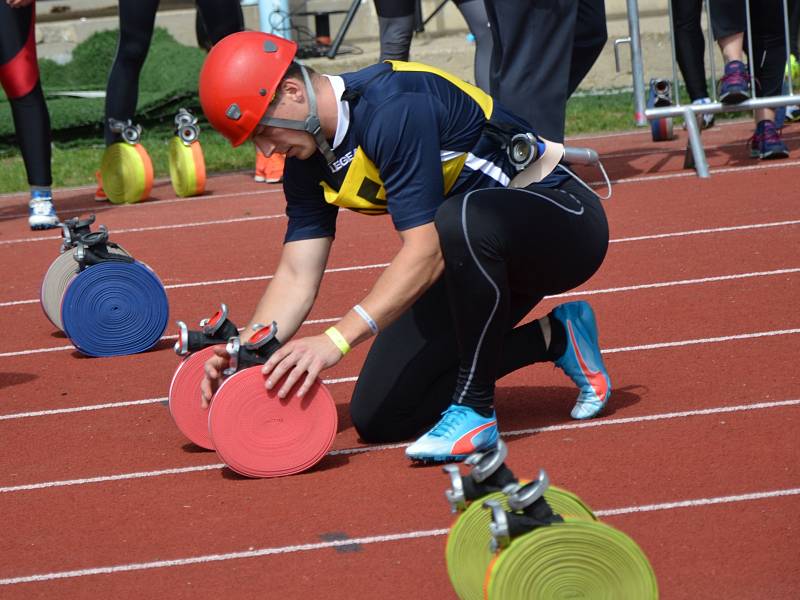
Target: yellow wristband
(338, 339)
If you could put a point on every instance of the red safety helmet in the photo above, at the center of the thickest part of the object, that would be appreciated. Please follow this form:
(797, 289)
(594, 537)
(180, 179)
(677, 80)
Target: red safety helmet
(239, 79)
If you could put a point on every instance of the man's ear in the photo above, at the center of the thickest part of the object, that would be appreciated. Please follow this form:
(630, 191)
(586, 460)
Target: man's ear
(292, 90)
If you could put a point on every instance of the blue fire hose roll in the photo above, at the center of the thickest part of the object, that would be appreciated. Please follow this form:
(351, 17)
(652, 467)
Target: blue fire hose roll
(114, 309)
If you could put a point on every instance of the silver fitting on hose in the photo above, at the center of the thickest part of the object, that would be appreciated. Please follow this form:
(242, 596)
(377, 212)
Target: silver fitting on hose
(232, 348)
(212, 324)
(129, 132)
(186, 127)
(181, 347)
(455, 493)
(498, 528)
(522, 150)
(484, 464)
(525, 495)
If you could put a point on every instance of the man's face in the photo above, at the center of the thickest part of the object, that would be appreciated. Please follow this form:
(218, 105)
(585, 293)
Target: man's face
(291, 142)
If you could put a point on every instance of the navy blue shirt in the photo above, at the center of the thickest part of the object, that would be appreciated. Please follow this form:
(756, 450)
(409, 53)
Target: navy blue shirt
(411, 135)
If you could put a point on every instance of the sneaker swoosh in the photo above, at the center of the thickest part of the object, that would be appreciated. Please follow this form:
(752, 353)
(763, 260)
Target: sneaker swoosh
(596, 379)
(464, 444)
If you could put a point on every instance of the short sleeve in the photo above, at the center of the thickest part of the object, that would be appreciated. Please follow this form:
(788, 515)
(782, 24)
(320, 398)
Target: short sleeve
(310, 217)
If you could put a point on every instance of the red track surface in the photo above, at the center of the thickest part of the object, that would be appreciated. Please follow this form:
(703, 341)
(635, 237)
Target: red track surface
(696, 458)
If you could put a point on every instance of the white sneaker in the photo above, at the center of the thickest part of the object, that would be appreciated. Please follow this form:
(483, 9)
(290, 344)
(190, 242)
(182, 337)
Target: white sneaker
(41, 212)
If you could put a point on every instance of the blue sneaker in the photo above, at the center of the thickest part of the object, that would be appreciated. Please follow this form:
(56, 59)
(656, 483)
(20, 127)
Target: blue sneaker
(582, 360)
(460, 432)
(734, 87)
(766, 142)
(41, 212)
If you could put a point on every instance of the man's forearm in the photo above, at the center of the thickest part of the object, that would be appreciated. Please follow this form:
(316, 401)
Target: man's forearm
(284, 302)
(291, 293)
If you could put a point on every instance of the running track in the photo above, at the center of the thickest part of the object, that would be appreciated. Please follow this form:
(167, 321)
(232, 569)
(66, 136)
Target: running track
(696, 458)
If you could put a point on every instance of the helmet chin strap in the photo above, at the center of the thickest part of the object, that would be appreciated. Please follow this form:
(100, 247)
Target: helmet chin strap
(310, 125)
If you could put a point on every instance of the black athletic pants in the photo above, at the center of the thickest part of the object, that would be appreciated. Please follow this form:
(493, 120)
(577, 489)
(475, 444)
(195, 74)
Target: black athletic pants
(136, 21)
(396, 23)
(690, 46)
(542, 50)
(504, 250)
(19, 76)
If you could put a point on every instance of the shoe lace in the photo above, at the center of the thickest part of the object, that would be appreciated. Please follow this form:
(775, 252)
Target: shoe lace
(771, 135)
(451, 419)
(736, 78)
(42, 207)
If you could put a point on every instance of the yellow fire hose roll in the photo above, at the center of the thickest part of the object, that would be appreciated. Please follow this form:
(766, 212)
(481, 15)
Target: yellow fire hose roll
(187, 167)
(578, 558)
(468, 553)
(127, 173)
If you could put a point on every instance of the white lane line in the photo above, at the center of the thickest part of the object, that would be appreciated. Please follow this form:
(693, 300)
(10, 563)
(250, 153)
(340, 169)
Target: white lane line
(267, 277)
(644, 132)
(373, 539)
(639, 179)
(176, 286)
(384, 447)
(609, 512)
(711, 340)
(646, 286)
(107, 478)
(103, 207)
(705, 231)
(350, 379)
(639, 238)
(162, 338)
(156, 228)
(601, 423)
(628, 288)
(713, 171)
(679, 151)
(89, 407)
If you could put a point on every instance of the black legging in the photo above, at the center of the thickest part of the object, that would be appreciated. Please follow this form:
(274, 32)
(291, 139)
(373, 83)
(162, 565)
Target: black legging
(136, 22)
(396, 22)
(527, 244)
(690, 46)
(769, 43)
(19, 76)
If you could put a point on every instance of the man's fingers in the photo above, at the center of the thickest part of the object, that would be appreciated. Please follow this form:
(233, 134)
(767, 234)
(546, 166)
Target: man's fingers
(274, 360)
(205, 393)
(279, 369)
(291, 380)
(307, 383)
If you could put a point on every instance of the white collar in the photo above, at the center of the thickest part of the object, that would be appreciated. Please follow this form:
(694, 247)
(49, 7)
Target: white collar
(343, 109)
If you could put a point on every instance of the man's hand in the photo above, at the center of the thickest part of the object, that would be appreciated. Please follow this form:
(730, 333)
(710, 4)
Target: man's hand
(306, 356)
(18, 3)
(213, 378)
